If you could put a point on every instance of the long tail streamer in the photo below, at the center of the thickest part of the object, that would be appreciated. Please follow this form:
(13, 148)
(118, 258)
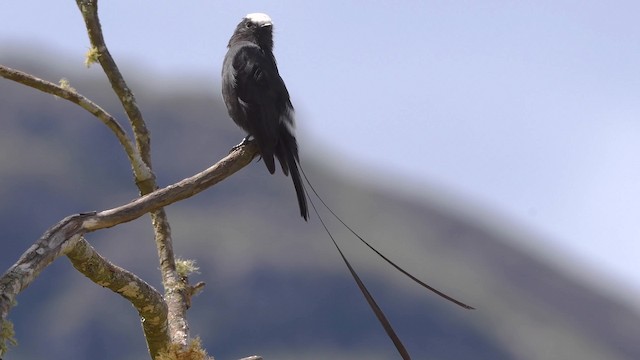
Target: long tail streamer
(367, 295)
(365, 292)
(397, 267)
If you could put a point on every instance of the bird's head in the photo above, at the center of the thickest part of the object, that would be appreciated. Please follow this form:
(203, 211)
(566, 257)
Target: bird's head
(259, 19)
(257, 28)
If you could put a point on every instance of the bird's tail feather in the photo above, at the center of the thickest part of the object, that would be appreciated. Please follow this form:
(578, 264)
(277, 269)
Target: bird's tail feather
(300, 191)
(370, 300)
(288, 157)
(396, 266)
(367, 295)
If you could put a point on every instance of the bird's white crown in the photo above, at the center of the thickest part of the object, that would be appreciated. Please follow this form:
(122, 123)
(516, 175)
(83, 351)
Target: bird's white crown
(259, 18)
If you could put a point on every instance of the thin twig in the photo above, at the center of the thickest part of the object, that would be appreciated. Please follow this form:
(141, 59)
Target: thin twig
(73, 96)
(89, 10)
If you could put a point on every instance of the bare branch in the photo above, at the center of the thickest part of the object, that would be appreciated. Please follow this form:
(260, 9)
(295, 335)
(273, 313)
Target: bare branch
(176, 288)
(147, 300)
(176, 192)
(55, 242)
(73, 96)
(62, 237)
(89, 11)
(144, 179)
(176, 293)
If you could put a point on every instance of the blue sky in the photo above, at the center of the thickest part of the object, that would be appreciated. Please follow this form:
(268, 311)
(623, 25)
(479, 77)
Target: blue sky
(529, 109)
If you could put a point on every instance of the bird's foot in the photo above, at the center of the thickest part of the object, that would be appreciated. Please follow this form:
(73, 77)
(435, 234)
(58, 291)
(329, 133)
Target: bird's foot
(243, 143)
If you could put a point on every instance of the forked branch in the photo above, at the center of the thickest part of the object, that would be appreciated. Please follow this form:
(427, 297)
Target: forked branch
(61, 238)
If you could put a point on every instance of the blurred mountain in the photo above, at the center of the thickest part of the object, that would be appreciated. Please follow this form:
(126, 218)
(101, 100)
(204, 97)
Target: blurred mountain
(275, 285)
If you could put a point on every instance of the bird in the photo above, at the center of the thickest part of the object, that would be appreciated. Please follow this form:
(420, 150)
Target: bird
(258, 101)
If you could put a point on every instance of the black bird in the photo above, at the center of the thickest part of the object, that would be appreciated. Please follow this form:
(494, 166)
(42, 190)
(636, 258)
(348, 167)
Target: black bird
(258, 100)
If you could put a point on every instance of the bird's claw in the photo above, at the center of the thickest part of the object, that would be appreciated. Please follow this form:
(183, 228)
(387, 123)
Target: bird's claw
(237, 147)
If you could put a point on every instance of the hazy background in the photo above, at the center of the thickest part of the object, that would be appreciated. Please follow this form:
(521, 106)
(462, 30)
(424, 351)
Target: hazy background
(528, 109)
(523, 116)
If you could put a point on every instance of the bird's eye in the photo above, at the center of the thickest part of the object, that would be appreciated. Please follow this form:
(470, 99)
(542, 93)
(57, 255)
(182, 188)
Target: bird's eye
(250, 24)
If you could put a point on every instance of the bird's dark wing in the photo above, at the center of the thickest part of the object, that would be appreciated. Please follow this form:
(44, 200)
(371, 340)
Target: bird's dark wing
(263, 98)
